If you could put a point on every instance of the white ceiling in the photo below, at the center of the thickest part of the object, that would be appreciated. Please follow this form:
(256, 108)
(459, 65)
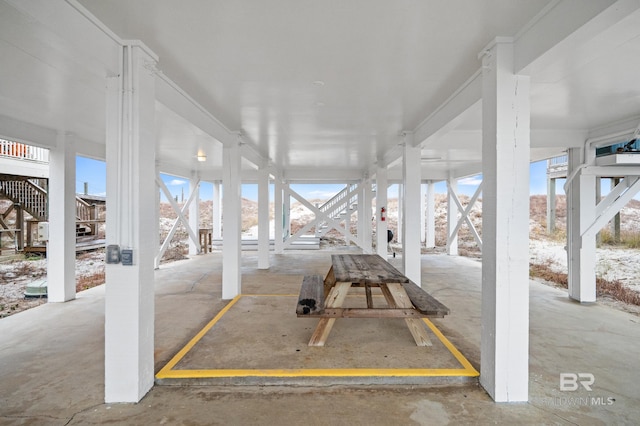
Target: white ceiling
(320, 87)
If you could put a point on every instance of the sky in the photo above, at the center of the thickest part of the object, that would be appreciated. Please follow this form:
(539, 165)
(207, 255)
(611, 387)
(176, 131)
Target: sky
(93, 172)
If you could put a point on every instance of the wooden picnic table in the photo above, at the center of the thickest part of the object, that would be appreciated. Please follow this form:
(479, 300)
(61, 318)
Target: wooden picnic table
(324, 299)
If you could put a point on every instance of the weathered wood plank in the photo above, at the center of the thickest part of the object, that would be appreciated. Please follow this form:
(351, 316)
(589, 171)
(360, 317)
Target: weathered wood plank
(329, 282)
(365, 268)
(424, 302)
(366, 313)
(416, 326)
(335, 299)
(367, 290)
(311, 299)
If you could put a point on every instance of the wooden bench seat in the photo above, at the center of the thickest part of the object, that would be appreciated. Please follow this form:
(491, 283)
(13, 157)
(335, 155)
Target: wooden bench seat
(423, 302)
(311, 299)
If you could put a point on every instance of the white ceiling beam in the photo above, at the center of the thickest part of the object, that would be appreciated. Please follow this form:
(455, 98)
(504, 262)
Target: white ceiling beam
(560, 32)
(181, 103)
(314, 175)
(98, 48)
(31, 134)
(446, 117)
(553, 138)
(614, 132)
(177, 100)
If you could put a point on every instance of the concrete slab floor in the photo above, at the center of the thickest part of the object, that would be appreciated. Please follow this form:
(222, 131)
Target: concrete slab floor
(52, 360)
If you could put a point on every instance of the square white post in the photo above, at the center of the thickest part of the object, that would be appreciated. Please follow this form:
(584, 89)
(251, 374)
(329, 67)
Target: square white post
(61, 248)
(194, 213)
(551, 205)
(430, 238)
(400, 214)
(278, 217)
(216, 214)
(381, 201)
(286, 210)
(504, 369)
(423, 213)
(411, 205)
(232, 225)
(581, 250)
(452, 217)
(156, 221)
(360, 210)
(367, 229)
(263, 218)
(131, 197)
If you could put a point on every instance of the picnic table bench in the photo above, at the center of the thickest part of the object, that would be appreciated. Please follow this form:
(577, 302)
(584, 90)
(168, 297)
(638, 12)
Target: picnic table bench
(324, 298)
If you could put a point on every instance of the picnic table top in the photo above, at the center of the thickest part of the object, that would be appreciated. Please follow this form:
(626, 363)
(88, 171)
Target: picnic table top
(365, 268)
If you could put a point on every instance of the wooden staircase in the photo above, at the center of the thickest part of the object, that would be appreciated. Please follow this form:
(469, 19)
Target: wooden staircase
(30, 195)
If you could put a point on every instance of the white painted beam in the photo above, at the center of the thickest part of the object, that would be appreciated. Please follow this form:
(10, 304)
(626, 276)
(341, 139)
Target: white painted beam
(367, 229)
(194, 213)
(612, 204)
(411, 254)
(216, 213)
(446, 116)
(180, 213)
(61, 248)
(263, 219)
(423, 213)
(452, 217)
(430, 227)
(131, 196)
(232, 226)
(464, 215)
(381, 201)
(504, 348)
(581, 249)
(557, 34)
(278, 218)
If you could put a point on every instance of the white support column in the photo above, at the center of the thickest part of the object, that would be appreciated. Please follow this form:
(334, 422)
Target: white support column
(194, 213)
(400, 213)
(232, 225)
(286, 210)
(411, 179)
(423, 213)
(381, 201)
(131, 196)
(506, 111)
(216, 214)
(452, 217)
(263, 218)
(278, 218)
(430, 239)
(347, 223)
(61, 248)
(361, 214)
(367, 234)
(156, 222)
(551, 205)
(581, 197)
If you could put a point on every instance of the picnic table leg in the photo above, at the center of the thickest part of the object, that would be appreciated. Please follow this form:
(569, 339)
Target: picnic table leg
(335, 299)
(395, 292)
(329, 282)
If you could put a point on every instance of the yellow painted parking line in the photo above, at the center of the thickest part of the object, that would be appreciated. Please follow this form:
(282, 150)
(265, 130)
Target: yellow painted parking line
(313, 372)
(454, 351)
(176, 359)
(168, 371)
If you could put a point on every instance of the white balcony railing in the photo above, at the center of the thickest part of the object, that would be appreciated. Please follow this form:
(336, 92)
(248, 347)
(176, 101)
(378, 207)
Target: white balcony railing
(20, 151)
